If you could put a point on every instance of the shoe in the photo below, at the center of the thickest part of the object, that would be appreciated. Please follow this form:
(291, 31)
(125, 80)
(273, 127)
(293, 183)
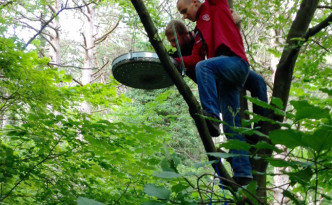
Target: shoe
(243, 181)
(213, 126)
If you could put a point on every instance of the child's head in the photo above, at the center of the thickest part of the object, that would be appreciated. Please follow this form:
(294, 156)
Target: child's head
(188, 8)
(181, 31)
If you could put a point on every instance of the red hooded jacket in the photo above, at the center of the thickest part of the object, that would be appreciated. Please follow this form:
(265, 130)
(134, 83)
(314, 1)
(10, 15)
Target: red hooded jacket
(219, 31)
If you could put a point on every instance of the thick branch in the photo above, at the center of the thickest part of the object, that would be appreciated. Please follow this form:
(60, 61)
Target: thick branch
(324, 7)
(194, 107)
(314, 30)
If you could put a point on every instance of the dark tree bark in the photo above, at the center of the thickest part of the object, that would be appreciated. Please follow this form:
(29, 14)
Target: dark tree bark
(283, 78)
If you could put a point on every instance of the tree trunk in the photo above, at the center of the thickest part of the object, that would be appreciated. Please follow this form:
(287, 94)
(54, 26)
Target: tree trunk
(55, 38)
(283, 79)
(89, 47)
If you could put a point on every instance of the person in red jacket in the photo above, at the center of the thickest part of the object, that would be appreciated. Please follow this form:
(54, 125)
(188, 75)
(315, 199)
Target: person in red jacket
(255, 83)
(222, 75)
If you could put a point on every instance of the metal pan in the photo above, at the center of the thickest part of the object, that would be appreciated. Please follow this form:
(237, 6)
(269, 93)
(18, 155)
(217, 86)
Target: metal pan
(141, 70)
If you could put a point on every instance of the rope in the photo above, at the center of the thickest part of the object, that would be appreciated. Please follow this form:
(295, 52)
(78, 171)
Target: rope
(132, 46)
(183, 71)
(178, 49)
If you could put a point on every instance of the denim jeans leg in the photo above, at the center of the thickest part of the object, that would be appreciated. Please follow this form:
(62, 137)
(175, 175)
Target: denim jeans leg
(256, 85)
(232, 71)
(229, 74)
(229, 105)
(207, 87)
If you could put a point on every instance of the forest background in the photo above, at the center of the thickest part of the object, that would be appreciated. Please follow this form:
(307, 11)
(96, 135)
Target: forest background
(70, 133)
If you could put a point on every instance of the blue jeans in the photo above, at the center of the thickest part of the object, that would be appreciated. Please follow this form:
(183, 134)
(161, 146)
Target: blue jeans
(256, 85)
(220, 80)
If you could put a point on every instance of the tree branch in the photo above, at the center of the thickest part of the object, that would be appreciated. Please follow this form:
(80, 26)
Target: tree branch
(316, 42)
(102, 67)
(70, 66)
(324, 7)
(51, 19)
(78, 82)
(104, 37)
(314, 30)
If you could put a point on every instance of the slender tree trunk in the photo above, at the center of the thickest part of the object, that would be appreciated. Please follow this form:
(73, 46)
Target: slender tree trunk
(55, 49)
(89, 46)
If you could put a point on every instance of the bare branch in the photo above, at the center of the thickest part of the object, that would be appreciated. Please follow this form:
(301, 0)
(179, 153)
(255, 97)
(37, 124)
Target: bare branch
(104, 37)
(70, 66)
(102, 67)
(78, 82)
(316, 42)
(51, 19)
(85, 42)
(52, 8)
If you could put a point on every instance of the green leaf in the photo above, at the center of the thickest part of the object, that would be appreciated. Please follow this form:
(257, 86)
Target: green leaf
(277, 102)
(298, 39)
(203, 164)
(275, 52)
(283, 163)
(304, 110)
(157, 191)
(152, 202)
(274, 101)
(179, 187)
(289, 138)
(303, 176)
(236, 144)
(320, 140)
(86, 201)
(327, 91)
(223, 155)
(252, 189)
(265, 145)
(290, 195)
(167, 174)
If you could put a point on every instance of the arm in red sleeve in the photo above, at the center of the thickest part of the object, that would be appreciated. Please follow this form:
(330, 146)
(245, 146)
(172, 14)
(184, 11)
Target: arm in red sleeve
(196, 56)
